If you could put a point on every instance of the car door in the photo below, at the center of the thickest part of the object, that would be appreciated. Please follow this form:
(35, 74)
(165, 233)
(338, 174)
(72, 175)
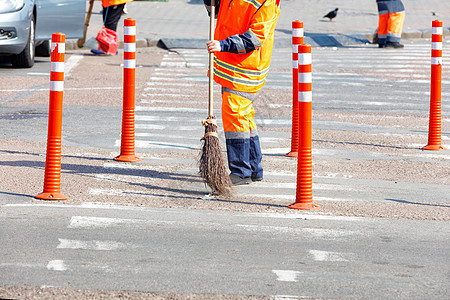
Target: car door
(66, 16)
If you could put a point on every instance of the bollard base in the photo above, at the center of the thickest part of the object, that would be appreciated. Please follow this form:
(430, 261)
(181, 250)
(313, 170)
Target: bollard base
(434, 147)
(127, 158)
(304, 206)
(292, 154)
(51, 196)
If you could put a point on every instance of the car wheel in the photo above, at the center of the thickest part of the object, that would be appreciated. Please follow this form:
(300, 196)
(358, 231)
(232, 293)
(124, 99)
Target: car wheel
(44, 49)
(25, 59)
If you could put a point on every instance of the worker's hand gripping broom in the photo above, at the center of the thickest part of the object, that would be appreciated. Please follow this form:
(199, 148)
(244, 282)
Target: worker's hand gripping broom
(211, 164)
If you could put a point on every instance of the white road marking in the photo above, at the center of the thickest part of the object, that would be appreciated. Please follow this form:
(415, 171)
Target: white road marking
(22, 265)
(329, 234)
(38, 74)
(56, 265)
(330, 256)
(165, 95)
(171, 101)
(117, 192)
(290, 185)
(287, 275)
(87, 222)
(169, 109)
(292, 197)
(71, 63)
(159, 83)
(91, 245)
(161, 145)
(97, 205)
(66, 89)
(121, 165)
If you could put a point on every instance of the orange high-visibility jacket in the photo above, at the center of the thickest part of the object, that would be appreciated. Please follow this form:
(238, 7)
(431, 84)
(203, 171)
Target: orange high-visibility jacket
(106, 3)
(245, 72)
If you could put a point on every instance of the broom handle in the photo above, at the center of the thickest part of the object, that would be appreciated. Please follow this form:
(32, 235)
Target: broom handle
(81, 41)
(211, 59)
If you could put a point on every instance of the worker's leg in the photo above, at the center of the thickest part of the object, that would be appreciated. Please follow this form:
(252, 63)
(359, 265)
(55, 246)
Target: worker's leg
(111, 16)
(243, 149)
(395, 27)
(382, 29)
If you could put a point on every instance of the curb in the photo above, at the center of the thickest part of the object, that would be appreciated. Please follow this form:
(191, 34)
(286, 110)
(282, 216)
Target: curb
(314, 39)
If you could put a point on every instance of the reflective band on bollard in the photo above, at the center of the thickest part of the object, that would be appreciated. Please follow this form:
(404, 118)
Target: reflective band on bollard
(52, 177)
(297, 39)
(127, 147)
(434, 130)
(304, 196)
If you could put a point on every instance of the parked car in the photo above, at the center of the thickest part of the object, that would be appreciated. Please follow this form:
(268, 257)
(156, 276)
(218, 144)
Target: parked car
(26, 27)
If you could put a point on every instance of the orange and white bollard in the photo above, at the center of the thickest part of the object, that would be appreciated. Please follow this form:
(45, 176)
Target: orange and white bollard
(127, 148)
(297, 39)
(434, 131)
(304, 195)
(52, 177)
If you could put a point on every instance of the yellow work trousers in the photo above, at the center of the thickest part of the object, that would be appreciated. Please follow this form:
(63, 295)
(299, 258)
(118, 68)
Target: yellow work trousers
(243, 147)
(390, 27)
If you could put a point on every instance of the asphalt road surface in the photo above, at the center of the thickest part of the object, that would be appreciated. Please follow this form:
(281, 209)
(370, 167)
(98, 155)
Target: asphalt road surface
(382, 230)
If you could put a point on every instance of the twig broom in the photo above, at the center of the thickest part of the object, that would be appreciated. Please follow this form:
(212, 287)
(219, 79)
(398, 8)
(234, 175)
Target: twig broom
(211, 165)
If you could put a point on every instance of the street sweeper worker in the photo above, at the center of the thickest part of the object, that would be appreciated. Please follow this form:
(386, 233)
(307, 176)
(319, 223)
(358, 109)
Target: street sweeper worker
(111, 13)
(242, 44)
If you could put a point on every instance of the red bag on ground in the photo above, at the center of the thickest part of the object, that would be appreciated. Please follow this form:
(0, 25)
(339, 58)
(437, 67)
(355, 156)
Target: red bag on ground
(108, 41)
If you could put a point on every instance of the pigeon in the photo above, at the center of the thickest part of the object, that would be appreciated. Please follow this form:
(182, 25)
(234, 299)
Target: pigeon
(332, 14)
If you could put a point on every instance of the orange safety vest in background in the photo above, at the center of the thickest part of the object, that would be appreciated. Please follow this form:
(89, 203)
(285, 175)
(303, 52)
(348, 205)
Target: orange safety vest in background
(245, 72)
(106, 3)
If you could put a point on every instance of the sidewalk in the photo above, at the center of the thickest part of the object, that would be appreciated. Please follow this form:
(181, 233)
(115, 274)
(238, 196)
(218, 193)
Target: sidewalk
(184, 23)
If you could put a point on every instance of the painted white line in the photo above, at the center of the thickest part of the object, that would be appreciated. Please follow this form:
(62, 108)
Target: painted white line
(168, 136)
(164, 79)
(148, 178)
(329, 234)
(66, 89)
(90, 245)
(315, 186)
(160, 145)
(88, 222)
(149, 126)
(169, 109)
(282, 151)
(157, 83)
(146, 118)
(273, 121)
(22, 265)
(288, 297)
(56, 265)
(292, 197)
(117, 192)
(71, 63)
(170, 101)
(38, 74)
(97, 205)
(287, 275)
(165, 95)
(173, 64)
(115, 165)
(330, 256)
(163, 89)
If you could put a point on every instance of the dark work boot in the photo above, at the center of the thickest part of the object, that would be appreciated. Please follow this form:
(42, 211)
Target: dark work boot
(394, 45)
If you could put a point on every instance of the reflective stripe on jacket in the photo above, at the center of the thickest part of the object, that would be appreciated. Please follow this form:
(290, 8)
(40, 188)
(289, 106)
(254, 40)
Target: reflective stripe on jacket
(245, 72)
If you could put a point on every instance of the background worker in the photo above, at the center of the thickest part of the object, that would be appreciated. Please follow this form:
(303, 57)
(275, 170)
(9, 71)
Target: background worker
(243, 42)
(112, 11)
(390, 23)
